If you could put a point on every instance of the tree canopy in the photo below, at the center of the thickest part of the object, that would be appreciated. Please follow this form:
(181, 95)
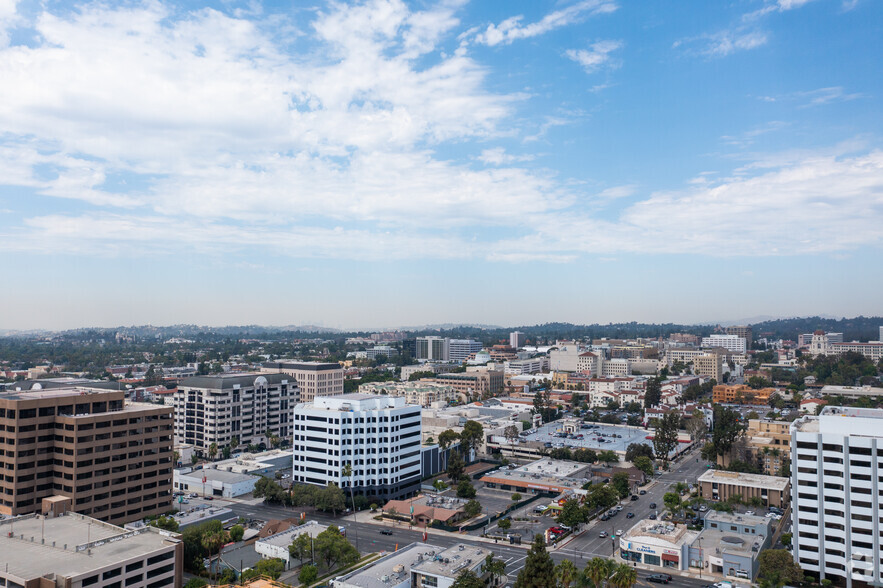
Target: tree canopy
(538, 570)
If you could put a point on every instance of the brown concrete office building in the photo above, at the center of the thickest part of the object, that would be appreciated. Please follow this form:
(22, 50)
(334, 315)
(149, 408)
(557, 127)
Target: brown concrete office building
(312, 378)
(74, 551)
(111, 458)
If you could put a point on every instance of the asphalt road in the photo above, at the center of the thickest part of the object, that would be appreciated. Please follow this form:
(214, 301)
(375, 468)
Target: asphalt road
(367, 537)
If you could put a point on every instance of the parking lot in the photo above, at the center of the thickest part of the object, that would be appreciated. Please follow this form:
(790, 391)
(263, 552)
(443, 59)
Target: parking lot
(598, 438)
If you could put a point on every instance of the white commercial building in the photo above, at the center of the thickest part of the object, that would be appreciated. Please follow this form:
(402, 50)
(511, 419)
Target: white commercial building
(836, 468)
(208, 482)
(732, 343)
(517, 339)
(432, 349)
(657, 543)
(460, 349)
(379, 436)
(534, 365)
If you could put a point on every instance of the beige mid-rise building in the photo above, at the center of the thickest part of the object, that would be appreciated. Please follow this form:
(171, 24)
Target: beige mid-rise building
(312, 378)
(768, 443)
(113, 459)
(709, 365)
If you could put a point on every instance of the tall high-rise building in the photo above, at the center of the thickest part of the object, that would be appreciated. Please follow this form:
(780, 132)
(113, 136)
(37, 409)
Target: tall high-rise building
(835, 467)
(880, 338)
(517, 339)
(460, 349)
(433, 348)
(379, 436)
(214, 409)
(743, 331)
(113, 459)
(312, 378)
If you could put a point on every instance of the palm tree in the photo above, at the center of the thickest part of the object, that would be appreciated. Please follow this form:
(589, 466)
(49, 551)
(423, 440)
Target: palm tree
(624, 576)
(566, 572)
(598, 569)
(212, 543)
(348, 473)
(213, 450)
(234, 443)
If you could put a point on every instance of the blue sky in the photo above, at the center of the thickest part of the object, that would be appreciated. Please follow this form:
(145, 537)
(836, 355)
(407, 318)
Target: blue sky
(387, 163)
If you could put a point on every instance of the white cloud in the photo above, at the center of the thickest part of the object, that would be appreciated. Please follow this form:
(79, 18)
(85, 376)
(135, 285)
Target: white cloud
(512, 29)
(498, 156)
(724, 42)
(596, 57)
(817, 97)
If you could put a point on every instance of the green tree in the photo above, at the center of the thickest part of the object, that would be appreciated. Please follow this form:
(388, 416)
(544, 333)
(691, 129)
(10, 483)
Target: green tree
(272, 567)
(301, 548)
(696, 425)
(472, 437)
(598, 570)
(348, 474)
(645, 464)
(672, 501)
(456, 467)
(538, 570)
(665, 437)
(164, 522)
(465, 489)
(572, 514)
(516, 497)
(623, 576)
(652, 393)
(333, 548)
(494, 567)
(727, 427)
(446, 438)
(330, 498)
(472, 508)
(307, 575)
(212, 450)
(777, 568)
(566, 572)
(635, 450)
(467, 579)
(237, 532)
(439, 485)
(620, 483)
(608, 457)
(602, 496)
(505, 524)
(195, 583)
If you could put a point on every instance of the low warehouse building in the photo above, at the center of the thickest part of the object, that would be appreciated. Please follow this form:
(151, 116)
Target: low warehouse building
(218, 483)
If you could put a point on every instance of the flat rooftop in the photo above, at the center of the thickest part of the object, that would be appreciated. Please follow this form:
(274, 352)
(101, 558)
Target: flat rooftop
(453, 560)
(222, 476)
(286, 537)
(748, 480)
(370, 575)
(729, 542)
(30, 553)
(660, 533)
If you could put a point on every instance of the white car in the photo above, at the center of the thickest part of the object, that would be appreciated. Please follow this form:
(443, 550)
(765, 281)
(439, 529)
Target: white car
(619, 532)
(703, 508)
(749, 513)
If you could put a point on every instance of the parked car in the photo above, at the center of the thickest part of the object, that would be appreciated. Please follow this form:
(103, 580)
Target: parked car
(703, 508)
(602, 534)
(634, 497)
(652, 516)
(619, 532)
(652, 505)
(659, 578)
(385, 532)
(605, 517)
(642, 492)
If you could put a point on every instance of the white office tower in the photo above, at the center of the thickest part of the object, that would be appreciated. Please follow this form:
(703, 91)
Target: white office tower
(836, 490)
(378, 435)
(433, 348)
(459, 350)
(517, 339)
(732, 343)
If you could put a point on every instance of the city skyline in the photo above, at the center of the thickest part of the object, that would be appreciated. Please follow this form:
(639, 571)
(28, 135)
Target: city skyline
(389, 163)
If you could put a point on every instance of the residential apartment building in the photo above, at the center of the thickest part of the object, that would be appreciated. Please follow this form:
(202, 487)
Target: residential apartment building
(722, 485)
(732, 343)
(474, 384)
(517, 339)
(420, 393)
(113, 459)
(380, 436)
(837, 460)
(460, 349)
(614, 368)
(75, 551)
(435, 368)
(709, 365)
(214, 409)
(741, 394)
(433, 349)
(769, 444)
(311, 378)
